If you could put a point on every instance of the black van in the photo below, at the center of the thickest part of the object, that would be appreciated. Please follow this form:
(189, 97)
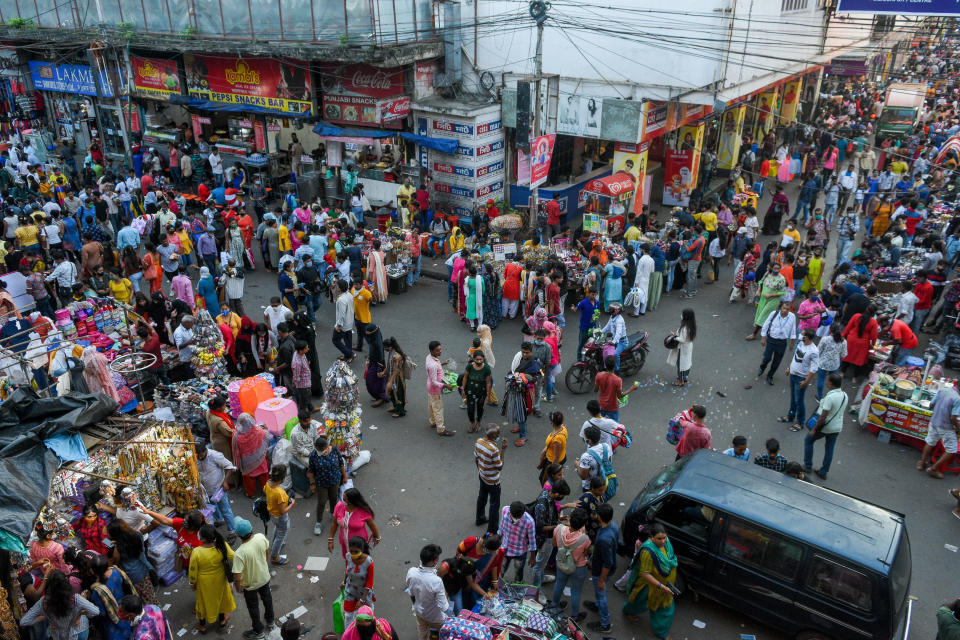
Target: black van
(803, 559)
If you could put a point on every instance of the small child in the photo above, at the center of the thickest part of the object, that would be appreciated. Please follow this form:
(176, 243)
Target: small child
(739, 449)
(358, 579)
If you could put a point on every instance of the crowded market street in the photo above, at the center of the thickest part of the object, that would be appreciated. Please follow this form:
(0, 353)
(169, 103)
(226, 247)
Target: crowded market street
(423, 488)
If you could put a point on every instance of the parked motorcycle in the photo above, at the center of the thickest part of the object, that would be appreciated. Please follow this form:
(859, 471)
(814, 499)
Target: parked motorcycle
(580, 376)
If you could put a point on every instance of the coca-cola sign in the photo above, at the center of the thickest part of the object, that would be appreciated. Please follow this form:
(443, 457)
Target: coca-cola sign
(361, 79)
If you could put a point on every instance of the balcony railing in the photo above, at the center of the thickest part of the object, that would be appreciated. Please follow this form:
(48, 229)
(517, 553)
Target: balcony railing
(331, 22)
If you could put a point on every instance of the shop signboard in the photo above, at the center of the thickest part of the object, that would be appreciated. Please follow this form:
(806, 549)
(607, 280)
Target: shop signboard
(889, 414)
(259, 136)
(393, 109)
(196, 126)
(678, 178)
(847, 67)
(267, 84)
(901, 7)
(352, 93)
(580, 116)
(468, 172)
(730, 137)
(542, 151)
(457, 191)
(155, 77)
(791, 99)
(68, 78)
(632, 159)
(479, 152)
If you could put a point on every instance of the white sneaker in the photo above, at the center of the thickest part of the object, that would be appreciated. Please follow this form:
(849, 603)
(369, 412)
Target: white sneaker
(547, 578)
(318, 529)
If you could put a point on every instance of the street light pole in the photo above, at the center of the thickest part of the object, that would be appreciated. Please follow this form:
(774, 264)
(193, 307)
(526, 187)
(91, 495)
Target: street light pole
(538, 11)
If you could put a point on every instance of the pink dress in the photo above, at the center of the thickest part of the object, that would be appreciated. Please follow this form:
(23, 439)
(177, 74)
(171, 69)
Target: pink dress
(809, 306)
(350, 524)
(54, 553)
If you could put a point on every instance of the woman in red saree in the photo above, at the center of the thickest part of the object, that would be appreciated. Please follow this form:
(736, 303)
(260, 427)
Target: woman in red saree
(250, 453)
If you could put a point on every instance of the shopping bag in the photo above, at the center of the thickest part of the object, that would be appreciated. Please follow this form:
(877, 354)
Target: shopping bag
(338, 625)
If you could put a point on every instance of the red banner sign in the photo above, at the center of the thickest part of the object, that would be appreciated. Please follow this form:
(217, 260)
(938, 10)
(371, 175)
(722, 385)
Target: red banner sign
(355, 94)
(259, 137)
(541, 152)
(196, 126)
(393, 109)
(266, 84)
(155, 77)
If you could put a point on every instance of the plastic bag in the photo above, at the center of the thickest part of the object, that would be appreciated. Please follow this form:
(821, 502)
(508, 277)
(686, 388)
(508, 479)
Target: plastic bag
(338, 625)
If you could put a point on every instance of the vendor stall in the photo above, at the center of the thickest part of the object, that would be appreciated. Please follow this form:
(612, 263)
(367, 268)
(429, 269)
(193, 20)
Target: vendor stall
(606, 203)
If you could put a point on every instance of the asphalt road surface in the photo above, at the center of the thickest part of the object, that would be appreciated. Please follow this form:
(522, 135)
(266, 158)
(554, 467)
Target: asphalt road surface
(423, 488)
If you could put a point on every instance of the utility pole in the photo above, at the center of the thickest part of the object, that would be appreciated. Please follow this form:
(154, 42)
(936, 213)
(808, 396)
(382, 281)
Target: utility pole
(538, 11)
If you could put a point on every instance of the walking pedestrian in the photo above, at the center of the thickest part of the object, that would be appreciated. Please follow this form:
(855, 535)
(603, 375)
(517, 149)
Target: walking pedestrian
(572, 543)
(801, 372)
(435, 388)
(654, 568)
(357, 582)
(278, 504)
(488, 456)
(603, 564)
(251, 577)
(776, 335)
(546, 517)
(829, 424)
(343, 325)
(944, 426)
(475, 387)
(213, 467)
(518, 538)
(210, 574)
(427, 592)
(352, 517)
(396, 376)
(326, 472)
(682, 355)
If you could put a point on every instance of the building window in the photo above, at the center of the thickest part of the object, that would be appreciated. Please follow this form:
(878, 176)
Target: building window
(793, 5)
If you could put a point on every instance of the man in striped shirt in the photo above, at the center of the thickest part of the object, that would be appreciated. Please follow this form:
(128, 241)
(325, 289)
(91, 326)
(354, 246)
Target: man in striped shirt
(488, 454)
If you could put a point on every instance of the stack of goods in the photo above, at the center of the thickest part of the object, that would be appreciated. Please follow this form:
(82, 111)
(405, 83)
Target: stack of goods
(208, 355)
(511, 611)
(96, 321)
(188, 399)
(162, 552)
(340, 413)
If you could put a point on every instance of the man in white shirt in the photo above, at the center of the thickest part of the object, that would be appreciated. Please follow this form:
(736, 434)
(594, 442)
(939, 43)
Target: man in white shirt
(776, 335)
(343, 326)
(183, 338)
(906, 303)
(848, 183)
(216, 166)
(50, 206)
(802, 370)
(276, 313)
(427, 593)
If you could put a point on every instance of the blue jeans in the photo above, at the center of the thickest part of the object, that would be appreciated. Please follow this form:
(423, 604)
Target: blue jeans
(868, 225)
(902, 355)
(218, 179)
(523, 430)
(456, 603)
(798, 411)
(600, 596)
(613, 415)
(805, 208)
(223, 511)
(831, 442)
(550, 384)
(312, 301)
(210, 259)
(828, 211)
(282, 525)
(449, 281)
(135, 280)
(414, 274)
(821, 379)
(671, 265)
(575, 581)
(521, 562)
(623, 344)
(843, 249)
(544, 551)
(435, 246)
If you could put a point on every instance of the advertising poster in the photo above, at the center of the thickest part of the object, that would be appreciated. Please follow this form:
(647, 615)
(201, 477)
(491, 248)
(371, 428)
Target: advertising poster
(766, 113)
(580, 116)
(889, 414)
(678, 178)
(264, 84)
(155, 77)
(791, 100)
(691, 139)
(627, 158)
(542, 152)
(355, 94)
(259, 137)
(523, 169)
(730, 137)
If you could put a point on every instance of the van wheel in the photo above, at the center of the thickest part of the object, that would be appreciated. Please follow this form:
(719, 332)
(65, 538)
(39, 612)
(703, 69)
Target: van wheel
(812, 635)
(685, 588)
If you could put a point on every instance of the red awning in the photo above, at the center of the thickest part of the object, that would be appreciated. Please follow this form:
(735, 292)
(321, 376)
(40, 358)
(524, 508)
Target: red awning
(614, 185)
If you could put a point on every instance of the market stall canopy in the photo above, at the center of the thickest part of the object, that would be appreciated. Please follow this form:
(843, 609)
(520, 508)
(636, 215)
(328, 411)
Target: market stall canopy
(953, 144)
(327, 130)
(615, 185)
(211, 105)
(27, 465)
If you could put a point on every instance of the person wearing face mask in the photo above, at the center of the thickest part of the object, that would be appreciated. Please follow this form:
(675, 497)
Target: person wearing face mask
(427, 593)
(357, 582)
(617, 328)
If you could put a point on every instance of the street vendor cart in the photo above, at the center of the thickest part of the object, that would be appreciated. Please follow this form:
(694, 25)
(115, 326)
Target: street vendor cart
(606, 203)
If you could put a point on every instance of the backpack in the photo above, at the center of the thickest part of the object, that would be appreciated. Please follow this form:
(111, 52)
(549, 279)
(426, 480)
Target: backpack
(565, 561)
(409, 366)
(260, 510)
(605, 467)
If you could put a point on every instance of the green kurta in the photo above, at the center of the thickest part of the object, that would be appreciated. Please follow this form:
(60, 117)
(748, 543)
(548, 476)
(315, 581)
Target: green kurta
(775, 284)
(474, 286)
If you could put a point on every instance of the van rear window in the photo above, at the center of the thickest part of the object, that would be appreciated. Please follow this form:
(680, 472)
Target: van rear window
(840, 582)
(762, 549)
(900, 572)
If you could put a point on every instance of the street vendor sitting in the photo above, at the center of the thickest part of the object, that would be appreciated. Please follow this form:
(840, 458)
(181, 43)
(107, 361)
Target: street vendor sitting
(900, 334)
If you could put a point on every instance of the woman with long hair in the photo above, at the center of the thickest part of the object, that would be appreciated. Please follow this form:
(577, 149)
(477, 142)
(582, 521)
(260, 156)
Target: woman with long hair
(151, 267)
(352, 517)
(157, 314)
(129, 554)
(357, 582)
(396, 388)
(243, 351)
(861, 334)
(110, 585)
(250, 453)
(264, 347)
(772, 288)
(375, 374)
(210, 576)
(65, 612)
(682, 355)
(303, 330)
(555, 449)
(132, 266)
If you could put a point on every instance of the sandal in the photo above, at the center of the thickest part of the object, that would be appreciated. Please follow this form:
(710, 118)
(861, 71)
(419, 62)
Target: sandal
(395, 415)
(520, 442)
(955, 493)
(202, 628)
(920, 465)
(796, 428)
(784, 419)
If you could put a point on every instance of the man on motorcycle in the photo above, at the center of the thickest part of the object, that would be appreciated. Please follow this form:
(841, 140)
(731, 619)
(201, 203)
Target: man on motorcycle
(617, 327)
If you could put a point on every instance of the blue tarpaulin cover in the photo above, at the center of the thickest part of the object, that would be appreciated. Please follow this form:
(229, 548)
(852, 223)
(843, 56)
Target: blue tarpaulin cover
(443, 145)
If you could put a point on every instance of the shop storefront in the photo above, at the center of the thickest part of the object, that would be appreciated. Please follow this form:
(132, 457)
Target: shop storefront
(463, 181)
(74, 109)
(364, 98)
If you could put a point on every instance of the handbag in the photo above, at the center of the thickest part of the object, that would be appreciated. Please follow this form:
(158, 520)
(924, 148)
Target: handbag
(338, 625)
(671, 341)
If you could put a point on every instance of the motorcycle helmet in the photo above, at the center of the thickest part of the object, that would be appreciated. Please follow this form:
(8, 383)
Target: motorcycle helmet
(615, 307)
